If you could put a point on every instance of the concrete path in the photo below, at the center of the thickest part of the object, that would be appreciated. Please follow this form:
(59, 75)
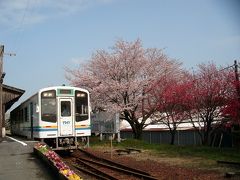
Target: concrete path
(17, 161)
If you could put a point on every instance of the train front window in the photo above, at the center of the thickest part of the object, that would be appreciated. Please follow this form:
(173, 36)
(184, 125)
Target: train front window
(49, 106)
(65, 108)
(81, 104)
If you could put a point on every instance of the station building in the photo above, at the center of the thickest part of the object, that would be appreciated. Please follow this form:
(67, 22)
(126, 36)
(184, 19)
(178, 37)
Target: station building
(10, 95)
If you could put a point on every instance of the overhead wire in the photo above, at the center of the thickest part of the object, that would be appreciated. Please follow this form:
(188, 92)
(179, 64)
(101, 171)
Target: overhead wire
(225, 68)
(20, 27)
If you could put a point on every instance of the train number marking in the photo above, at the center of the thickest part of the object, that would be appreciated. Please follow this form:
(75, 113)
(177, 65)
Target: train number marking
(66, 122)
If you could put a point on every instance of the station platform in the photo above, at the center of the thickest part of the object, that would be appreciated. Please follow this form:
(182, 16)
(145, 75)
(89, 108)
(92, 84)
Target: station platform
(17, 161)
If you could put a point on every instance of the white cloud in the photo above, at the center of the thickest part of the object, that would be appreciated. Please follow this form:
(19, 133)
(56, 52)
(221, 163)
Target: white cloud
(17, 12)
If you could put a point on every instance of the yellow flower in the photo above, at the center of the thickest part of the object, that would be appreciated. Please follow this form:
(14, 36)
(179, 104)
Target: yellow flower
(64, 172)
(74, 177)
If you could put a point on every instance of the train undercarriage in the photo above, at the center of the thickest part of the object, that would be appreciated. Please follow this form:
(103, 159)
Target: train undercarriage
(67, 143)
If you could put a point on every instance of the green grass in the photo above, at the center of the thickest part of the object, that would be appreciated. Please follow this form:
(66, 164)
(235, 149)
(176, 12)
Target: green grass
(208, 153)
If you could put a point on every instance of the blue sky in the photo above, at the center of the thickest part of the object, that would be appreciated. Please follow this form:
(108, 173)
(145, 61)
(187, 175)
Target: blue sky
(48, 35)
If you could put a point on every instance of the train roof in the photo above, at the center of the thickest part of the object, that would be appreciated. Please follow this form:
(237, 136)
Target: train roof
(50, 88)
(62, 87)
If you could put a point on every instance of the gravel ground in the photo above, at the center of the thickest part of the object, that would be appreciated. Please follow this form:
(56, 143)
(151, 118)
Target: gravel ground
(159, 169)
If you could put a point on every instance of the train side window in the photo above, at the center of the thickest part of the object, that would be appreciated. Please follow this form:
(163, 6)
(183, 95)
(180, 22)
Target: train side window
(49, 106)
(13, 118)
(21, 116)
(81, 106)
(25, 114)
(36, 108)
(18, 116)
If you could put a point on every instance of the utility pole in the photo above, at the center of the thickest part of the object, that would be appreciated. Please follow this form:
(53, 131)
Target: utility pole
(1, 90)
(237, 79)
(2, 75)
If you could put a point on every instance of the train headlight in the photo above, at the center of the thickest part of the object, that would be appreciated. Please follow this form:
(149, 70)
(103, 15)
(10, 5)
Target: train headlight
(48, 94)
(81, 94)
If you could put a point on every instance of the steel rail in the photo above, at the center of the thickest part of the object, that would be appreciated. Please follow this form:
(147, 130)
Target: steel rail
(130, 172)
(228, 162)
(97, 173)
(115, 163)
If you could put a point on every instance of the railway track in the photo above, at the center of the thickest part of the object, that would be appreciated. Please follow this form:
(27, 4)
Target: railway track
(229, 163)
(101, 168)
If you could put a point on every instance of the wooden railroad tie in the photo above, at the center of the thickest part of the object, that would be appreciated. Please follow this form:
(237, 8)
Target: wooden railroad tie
(127, 151)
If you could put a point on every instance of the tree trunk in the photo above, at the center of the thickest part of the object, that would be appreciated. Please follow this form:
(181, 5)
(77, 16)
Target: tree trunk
(205, 139)
(137, 128)
(137, 134)
(207, 133)
(173, 133)
(137, 131)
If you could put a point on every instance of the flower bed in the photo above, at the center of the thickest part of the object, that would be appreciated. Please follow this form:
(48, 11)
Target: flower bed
(55, 162)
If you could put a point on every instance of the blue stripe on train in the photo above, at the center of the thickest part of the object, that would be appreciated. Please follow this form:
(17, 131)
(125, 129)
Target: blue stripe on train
(39, 129)
(82, 129)
(52, 129)
(44, 129)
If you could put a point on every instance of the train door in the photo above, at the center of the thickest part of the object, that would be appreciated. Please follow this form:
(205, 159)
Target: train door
(65, 124)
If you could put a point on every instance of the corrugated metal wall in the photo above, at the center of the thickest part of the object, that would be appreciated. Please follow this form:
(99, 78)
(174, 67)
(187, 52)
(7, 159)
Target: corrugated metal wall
(164, 137)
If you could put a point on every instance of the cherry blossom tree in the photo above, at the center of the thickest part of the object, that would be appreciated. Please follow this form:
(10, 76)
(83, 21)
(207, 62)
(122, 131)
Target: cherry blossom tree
(197, 98)
(231, 111)
(231, 114)
(118, 80)
(208, 96)
(172, 98)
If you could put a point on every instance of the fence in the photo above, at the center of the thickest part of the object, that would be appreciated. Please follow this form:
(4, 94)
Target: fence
(182, 137)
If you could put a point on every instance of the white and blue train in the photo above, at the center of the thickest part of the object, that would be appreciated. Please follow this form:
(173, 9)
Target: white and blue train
(59, 116)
